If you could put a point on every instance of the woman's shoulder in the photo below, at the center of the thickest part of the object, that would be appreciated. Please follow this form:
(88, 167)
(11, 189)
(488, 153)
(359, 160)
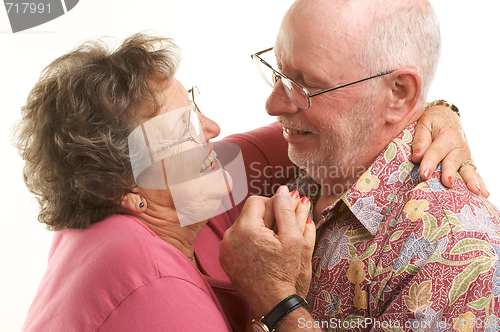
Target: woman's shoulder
(124, 243)
(115, 238)
(91, 272)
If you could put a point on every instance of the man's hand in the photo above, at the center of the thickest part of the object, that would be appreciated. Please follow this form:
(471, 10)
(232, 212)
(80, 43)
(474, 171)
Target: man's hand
(439, 136)
(266, 267)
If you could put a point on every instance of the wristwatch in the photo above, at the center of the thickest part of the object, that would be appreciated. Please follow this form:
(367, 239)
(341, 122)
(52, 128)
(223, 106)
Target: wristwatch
(269, 322)
(444, 103)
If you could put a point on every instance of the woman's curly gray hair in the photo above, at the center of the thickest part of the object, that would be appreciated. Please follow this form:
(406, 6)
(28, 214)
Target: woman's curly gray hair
(74, 127)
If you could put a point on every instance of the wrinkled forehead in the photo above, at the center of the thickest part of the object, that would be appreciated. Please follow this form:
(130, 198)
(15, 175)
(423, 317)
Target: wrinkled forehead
(174, 108)
(174, 96)
(302, 59)
(322, 30)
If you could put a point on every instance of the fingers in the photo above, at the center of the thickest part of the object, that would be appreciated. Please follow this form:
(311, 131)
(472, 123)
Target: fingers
(302, 212)
(421, 141)
(437, 123)
(284, 208)
(469, 175)
(309, 241)
(445, 149)
(439, 137)
(269, 219)
(290, 211)
(309, 234)
(474, 181)
(304, 278)
(450, 167)
(484, 190)
(253, 211)
(429, 150)
(262, 265)
(284, 211)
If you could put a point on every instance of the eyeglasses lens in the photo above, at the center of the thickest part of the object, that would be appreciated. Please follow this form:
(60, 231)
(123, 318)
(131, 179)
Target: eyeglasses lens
(295, 93)
(265, 72)
(271, 78)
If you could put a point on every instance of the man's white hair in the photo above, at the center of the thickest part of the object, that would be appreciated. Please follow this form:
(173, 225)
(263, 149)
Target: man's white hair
(403, 34)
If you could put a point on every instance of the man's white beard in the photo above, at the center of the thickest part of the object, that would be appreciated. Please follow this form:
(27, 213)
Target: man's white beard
(340, 145)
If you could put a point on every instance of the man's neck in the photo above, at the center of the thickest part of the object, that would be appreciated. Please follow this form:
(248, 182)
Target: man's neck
(321, 204)
(333, 187)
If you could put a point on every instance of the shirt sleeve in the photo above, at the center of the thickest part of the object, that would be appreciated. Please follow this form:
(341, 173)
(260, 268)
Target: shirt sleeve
(167, 304)
(265, 154)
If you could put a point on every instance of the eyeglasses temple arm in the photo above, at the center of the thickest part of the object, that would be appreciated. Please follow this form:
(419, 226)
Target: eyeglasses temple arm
(344, 85)
(261, 52)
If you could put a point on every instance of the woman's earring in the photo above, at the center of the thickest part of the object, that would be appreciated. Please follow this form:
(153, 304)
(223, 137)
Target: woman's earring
(141, 205)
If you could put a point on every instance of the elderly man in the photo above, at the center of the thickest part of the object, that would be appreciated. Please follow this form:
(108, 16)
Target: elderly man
(394, 251)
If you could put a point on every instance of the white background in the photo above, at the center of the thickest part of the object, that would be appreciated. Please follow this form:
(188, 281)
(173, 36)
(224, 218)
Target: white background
(217, 38)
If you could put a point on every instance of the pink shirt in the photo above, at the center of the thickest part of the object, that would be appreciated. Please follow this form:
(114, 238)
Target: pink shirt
(118, 275)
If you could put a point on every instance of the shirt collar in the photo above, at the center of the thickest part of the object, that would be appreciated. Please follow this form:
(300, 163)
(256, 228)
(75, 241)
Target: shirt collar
(369, 199)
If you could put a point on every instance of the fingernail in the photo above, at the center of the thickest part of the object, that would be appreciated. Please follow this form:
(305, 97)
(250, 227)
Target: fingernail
(427, 174)
(486, 191)
(304, 200)
(309, 220)
(478, 187)
(415, 153)
(284, 192)
(450, 178)
(295, 194)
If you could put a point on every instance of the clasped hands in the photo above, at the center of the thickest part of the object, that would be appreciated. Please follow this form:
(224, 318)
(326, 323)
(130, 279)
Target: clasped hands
(267, 253)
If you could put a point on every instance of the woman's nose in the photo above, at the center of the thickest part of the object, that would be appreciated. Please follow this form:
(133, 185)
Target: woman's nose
(210, 128)
(279, 103)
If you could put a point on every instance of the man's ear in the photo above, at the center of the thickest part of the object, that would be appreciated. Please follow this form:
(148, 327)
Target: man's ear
(134, 202)
(403, 94)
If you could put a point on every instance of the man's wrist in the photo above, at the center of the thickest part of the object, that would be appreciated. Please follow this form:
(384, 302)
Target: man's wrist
(270, 321)
(268, 299)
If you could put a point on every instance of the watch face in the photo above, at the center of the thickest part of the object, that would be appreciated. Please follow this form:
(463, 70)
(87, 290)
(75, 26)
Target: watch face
(259, 327)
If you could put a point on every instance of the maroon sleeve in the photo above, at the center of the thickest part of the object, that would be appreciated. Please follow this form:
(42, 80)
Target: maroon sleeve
(265, 154)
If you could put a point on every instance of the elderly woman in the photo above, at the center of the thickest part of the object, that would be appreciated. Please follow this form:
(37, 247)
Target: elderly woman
(118, 159)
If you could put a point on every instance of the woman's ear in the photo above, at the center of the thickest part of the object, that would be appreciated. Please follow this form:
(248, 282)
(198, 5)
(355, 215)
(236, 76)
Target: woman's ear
(404, 94)
(134, 202)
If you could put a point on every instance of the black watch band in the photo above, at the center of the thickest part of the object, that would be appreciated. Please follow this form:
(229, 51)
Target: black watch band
(281, 310)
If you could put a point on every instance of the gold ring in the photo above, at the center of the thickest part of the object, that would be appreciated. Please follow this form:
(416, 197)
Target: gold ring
(467, 162)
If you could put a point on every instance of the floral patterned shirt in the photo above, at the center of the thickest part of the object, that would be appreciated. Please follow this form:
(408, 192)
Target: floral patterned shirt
(397, 253)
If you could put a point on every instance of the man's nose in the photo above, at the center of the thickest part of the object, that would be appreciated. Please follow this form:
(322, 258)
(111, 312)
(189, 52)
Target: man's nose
(279, 103)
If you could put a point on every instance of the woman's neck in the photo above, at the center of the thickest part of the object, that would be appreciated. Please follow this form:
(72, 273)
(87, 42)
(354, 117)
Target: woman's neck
(165, 223)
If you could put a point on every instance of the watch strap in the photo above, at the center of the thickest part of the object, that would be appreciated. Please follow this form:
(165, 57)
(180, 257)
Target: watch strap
(444, 103)
(283, 309)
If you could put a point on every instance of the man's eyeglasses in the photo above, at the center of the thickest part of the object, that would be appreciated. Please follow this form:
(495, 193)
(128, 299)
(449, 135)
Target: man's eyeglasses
(296, 92)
